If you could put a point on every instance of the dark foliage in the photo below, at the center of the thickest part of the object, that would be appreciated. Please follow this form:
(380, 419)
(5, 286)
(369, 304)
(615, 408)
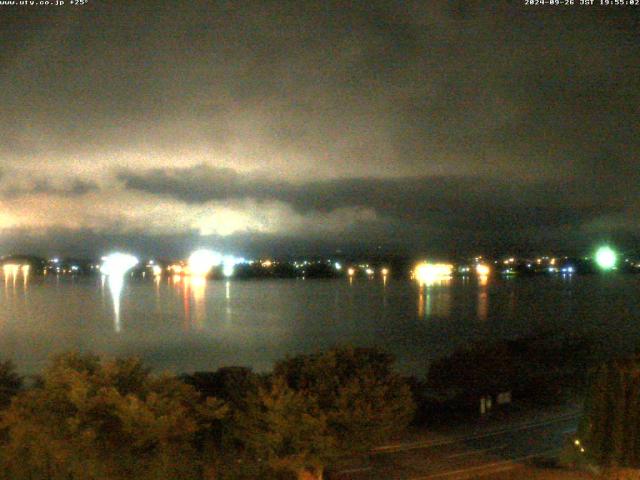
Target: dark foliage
(10, 383)
(544, 367)
(610, 431)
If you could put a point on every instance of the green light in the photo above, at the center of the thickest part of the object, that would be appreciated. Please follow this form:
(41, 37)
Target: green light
(606, 258)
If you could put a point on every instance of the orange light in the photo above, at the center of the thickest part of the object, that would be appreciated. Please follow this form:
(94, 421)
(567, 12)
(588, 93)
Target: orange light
(483, 270)
(176, 269)
(427, 273)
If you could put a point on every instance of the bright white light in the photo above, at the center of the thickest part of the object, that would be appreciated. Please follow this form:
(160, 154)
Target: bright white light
(228, 265)
(202, 261)
(157, 270)
(117, 264)
(369, 271)
(338, 266)
(227, 269)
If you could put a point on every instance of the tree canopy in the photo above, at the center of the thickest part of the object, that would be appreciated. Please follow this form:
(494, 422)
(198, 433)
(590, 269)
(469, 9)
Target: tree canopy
(364, 401)
(95, 419)
(91, 418)
(285, 429)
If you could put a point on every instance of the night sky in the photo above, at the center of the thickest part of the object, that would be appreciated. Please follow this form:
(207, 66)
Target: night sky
(416, 127)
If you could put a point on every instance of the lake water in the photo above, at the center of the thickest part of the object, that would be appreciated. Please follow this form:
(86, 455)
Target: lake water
(187, 325)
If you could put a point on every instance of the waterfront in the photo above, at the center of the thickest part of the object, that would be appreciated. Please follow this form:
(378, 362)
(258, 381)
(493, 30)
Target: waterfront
(184, 325)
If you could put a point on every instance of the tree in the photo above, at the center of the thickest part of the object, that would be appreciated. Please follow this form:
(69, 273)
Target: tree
(363, 400)
(234, 386)
(96, 419)
(285, 430)
(610, 431)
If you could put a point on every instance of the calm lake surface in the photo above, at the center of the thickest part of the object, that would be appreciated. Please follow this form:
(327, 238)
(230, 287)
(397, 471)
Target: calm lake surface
(187, 325)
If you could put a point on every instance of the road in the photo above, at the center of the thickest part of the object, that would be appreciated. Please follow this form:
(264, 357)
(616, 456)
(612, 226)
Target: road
(478, 453)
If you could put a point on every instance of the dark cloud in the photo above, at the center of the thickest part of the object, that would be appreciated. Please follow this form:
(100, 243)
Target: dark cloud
(74, 188)
(43, 186)
(456, 202)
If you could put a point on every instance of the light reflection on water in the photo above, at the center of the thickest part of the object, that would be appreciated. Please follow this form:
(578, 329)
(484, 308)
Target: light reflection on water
(193, 293)
(193, 324)
(483, 297)
(116, 282)
(198, 286)
(11, 285)
(434, 298)
(227, 296)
